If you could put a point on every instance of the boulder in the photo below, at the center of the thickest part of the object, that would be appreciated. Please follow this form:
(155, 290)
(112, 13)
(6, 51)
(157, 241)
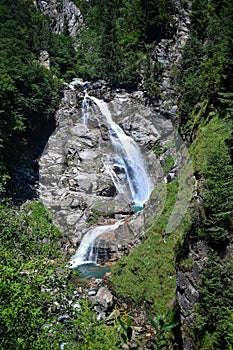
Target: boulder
(102, 301)
(105, 294)
(44, 59)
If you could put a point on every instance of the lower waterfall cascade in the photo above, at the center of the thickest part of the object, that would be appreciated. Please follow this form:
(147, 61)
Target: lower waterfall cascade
(86, 252)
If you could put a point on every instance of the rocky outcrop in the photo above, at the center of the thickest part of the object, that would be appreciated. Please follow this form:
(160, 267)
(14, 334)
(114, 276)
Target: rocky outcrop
(188, 280)
(168, 53)
(102, 301)
(62, 13)
(44, 59)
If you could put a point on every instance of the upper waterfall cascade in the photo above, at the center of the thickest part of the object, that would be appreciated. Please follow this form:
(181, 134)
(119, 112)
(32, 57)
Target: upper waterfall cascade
(126, 167)
(85, 108)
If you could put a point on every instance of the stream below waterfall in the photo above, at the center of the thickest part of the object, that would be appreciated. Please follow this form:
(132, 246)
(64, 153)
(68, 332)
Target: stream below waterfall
(128, 172)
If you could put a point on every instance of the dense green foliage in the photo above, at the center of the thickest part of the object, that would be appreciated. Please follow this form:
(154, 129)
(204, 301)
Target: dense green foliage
(29, 261)
(213, 313)
(214, 163)
(206, 121)
(206, 66)
(35, 290)
(115, 42)
(212, 223)
(29, 93)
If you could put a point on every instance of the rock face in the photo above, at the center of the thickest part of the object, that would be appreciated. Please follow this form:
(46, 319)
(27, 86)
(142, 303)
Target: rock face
(44, 59)
(61, 12)
(188, 279)
(168, 53)
(74, 181)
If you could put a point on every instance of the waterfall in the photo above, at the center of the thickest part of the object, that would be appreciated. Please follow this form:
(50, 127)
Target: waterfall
(127, 168)
(129, 175)
(86, 252)
(85, 107)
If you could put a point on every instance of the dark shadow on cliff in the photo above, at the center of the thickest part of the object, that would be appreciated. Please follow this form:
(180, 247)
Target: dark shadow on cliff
(25, 175)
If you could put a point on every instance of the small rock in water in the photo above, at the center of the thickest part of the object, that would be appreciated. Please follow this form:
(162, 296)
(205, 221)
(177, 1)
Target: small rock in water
(98, 280)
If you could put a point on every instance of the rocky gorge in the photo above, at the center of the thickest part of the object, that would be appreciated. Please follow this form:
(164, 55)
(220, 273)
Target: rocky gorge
(77, 186)
(74, 179)
(116, 187)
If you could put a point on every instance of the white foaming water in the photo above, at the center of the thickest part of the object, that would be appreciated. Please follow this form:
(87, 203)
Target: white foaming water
(103, 108)
(128, 161)
(86, 252)
(85, 107)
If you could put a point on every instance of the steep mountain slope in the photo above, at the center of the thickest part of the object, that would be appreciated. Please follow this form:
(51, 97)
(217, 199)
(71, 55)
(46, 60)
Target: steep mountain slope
(178, 54)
